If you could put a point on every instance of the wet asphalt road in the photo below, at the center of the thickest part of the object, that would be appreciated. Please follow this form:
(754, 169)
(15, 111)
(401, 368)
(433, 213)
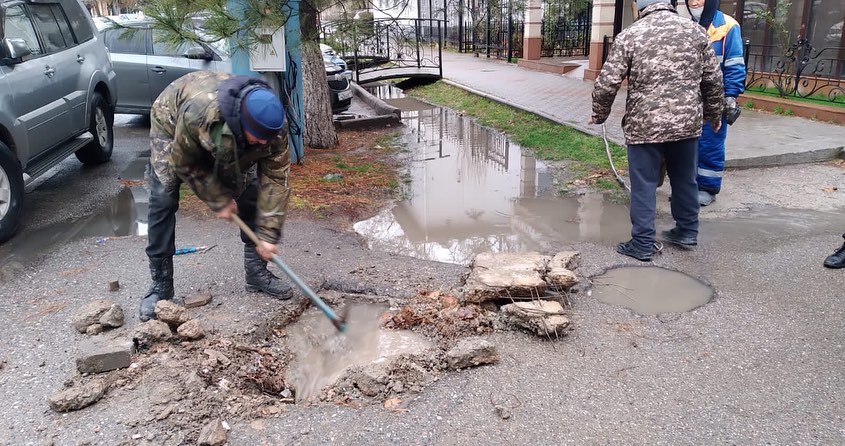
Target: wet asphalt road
(762, 363)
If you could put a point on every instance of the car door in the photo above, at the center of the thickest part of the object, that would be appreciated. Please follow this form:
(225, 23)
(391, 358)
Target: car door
(58, 41)
(38, 101)
(166, 63)
(129, 56)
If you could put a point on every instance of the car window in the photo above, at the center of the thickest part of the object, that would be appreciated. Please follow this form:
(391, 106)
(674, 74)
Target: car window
(51, 34)
(64, 26)
(18, 26)
(79, 24)
(161, 48)
(122, 41)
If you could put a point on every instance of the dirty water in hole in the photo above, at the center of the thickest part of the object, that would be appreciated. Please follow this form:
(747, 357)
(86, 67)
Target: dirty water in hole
(323, 355)
(471, 190)
(126, 215)
(650, 290)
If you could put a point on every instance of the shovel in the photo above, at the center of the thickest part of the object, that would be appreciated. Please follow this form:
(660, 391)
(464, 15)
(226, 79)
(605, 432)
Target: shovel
(337, 321)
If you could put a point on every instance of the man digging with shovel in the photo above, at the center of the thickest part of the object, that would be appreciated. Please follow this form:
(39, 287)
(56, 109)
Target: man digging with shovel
(225, 137)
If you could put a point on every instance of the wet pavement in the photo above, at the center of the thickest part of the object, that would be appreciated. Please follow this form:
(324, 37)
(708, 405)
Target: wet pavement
(471, 190)
(757, 138)
(760, 363)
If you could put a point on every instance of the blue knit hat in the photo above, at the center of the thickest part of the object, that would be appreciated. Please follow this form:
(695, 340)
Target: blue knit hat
(262, 115)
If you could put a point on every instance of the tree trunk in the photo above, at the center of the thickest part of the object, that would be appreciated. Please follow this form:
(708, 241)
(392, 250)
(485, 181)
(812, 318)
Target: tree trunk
(319, 129)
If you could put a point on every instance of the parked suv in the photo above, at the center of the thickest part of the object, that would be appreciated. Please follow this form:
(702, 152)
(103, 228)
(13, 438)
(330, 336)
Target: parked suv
(57, 95)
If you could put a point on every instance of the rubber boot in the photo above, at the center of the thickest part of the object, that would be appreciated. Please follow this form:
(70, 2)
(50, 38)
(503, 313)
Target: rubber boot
(259, 279)
(161, 271)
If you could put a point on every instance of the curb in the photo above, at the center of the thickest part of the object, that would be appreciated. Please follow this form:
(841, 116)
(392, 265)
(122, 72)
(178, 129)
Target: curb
(581, 128)
(787, 159)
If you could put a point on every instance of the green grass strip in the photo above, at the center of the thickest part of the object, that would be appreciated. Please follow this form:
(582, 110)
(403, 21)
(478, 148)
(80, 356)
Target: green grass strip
(547, 139)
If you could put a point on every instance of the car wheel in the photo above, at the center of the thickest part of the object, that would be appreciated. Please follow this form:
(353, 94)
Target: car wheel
(102, 119)
(11, 193)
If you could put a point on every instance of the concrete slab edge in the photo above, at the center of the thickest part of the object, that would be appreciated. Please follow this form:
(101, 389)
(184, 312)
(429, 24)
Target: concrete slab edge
(381, 107)
(583, 128)
(813, 156)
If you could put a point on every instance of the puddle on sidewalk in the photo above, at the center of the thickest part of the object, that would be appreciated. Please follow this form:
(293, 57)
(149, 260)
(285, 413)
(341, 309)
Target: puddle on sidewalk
(650, 290)
(126, 215)
(471, 190)
(323, 354)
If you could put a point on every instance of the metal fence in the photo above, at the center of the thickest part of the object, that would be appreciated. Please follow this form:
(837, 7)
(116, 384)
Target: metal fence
(798, 71)
(566, 28)
(495, 28)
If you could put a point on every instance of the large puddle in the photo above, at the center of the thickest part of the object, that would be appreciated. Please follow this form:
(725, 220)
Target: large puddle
(472, 190)
(651, 290)
(126, 215)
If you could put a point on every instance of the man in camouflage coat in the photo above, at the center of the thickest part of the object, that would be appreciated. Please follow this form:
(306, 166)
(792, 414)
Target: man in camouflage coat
(225, 137)
(673, 80)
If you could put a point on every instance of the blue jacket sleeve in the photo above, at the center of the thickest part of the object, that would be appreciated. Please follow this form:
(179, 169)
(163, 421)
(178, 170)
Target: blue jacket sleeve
(734, 63)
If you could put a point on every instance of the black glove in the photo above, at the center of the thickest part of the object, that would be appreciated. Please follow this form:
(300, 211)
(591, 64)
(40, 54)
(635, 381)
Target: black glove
(732, 111)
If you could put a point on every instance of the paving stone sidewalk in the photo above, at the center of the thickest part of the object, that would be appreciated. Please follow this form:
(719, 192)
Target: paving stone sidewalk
(757, 138)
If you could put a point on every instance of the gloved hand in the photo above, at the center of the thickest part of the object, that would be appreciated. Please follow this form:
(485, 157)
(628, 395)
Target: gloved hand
(732, 111)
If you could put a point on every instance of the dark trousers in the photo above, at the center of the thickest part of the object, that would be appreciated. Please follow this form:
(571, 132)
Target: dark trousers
(644, 169)
(164, 202)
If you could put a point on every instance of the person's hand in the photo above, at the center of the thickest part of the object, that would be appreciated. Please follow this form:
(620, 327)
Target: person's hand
(266, 250)
(590, 121)
(228, 211)
(716, 126)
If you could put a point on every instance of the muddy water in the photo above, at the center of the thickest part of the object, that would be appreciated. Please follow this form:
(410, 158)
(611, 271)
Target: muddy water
(651, 290)
(471, 190)
(126, 215)
(322, 354)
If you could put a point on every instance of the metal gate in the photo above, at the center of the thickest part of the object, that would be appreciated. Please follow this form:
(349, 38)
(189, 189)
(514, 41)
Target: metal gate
(566, 27)
(495, 28)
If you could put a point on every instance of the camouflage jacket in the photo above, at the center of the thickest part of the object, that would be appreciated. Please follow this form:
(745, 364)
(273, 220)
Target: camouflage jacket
(196, 138)
(671, 71)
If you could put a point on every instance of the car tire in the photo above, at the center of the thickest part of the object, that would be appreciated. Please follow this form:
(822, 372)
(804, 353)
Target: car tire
(11, 193)
(101, 127)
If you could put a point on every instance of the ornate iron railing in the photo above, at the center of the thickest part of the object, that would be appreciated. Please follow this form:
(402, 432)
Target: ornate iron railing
(798, 71)
(408, 47)
(493, 28)
(566, 28)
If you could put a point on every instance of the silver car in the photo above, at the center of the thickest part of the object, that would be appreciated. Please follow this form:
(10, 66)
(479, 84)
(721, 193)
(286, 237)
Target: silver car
(57, 95)
(145, 66)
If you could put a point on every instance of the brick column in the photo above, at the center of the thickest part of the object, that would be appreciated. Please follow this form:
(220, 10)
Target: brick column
(533, 30)
(604, 12)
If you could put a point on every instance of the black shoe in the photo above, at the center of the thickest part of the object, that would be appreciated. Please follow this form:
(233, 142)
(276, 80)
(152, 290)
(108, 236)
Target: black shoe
(161, 271)
(837, 259)
(628, 249)
(675, 237)
(259, 279)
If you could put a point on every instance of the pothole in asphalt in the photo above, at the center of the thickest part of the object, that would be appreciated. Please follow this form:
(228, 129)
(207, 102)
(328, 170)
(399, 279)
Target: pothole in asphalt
(651, 290)
(323, 356)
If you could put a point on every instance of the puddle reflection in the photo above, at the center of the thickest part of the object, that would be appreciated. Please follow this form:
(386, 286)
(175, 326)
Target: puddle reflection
(472, 190)
(126, 215)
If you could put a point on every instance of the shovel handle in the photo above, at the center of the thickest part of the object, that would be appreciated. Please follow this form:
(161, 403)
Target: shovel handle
(336, 320)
